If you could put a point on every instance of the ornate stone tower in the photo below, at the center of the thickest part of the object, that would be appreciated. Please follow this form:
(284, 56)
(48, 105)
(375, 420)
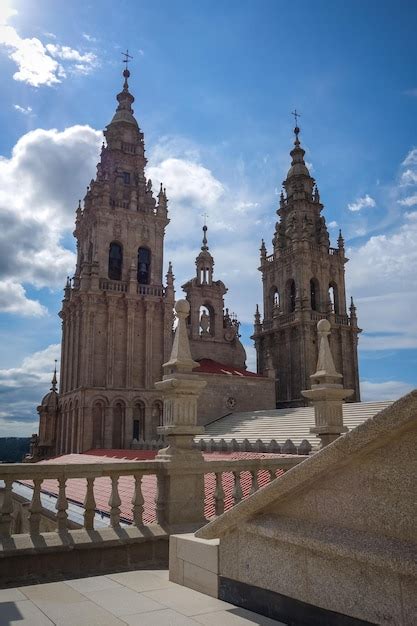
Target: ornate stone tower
(213, 332)
(116, 313)
(303, 282)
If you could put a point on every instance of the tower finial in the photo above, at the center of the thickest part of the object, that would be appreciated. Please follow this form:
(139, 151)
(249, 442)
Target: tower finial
(54, 381)
(297, 128)
(205, 246)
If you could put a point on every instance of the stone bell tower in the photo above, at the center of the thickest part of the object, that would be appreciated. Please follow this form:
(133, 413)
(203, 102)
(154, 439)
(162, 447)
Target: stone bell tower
(213, 332)
(303, 282)
(116, 314)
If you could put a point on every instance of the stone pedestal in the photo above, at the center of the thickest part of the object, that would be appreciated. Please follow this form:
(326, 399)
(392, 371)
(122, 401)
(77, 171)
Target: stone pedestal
(327, 393)
(181, 490)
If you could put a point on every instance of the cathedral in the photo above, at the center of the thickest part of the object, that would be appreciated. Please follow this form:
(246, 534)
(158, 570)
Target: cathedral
(117, 311)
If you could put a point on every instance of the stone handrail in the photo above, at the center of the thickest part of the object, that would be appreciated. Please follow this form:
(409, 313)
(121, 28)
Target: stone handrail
(33, 475)
(113, 285)
(150, 290)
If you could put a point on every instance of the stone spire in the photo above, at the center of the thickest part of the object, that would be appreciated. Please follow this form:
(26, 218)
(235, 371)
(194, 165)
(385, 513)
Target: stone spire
(327, 393)
(204, 262)
(54, 380)
(180, 359)
(124, 111)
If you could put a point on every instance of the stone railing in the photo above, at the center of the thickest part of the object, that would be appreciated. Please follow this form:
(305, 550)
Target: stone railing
(130, 492)
(113, 285)
(221, 445)
(333, 251)
(150, 290)
(315, 316)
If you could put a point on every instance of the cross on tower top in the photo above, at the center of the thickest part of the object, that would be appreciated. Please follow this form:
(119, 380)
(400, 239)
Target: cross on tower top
(127, 57)
(296, 116)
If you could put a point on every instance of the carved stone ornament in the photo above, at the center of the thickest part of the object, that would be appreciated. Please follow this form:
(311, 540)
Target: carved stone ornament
(231, 402)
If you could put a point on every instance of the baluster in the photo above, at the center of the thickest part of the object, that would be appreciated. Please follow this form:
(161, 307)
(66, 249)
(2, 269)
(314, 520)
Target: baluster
(255, 484)
(114, 503)
(219, 495)
(160, 498)
(35, 508)
(89, 504)
(6, 509)
(62, 505)
(237, 491)
(138, 501)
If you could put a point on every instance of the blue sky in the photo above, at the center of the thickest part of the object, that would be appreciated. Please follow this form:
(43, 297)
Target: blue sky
(215, 83)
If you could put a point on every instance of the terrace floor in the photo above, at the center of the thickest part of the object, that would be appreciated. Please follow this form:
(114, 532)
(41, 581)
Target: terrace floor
(144, 597)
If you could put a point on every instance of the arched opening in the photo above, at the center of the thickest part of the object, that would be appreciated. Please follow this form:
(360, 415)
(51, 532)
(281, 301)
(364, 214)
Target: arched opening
(274, 300)
(118, 425)
(98, 419)
(157, 416)
(314, 294)
(144, 266)
(75, 429)
(139, 421)
(206, 318)
(334, 297)
(115, 261)
(291, 295)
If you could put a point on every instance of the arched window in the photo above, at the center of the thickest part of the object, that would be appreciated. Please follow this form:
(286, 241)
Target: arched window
(157, 414)
(291, 295)
(206, 317)
(314, 294)
(144, 266)
(334, 297)
(139, 421)
(115, 261)
(98, 414)
(118, 425)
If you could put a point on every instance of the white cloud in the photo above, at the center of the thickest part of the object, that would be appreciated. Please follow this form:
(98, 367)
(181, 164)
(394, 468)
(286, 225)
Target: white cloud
(387, 390)
(410, 201)
(37, 64)
(411, 158)
(83, 62)
(39, 185)
(382, 275)
(361, 203)
(21, 390)
(411, 92)
(13, 300)
(89, 38)
(23, 110)
(333, 224)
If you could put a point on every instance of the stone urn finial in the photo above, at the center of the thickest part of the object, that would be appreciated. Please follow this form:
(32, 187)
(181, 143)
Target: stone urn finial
(327, 392)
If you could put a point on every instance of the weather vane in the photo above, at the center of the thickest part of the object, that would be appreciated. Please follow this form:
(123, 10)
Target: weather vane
(296, 116)
(127, 57)
(205, 215)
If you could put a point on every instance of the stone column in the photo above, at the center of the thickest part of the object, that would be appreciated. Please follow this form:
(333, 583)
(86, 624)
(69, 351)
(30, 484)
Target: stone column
(111, 314)
(130, 314)
(327, 393)
(182, 487)
(148, 344)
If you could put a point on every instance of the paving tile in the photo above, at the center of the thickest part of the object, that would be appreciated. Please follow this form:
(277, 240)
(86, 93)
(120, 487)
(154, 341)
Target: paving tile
(186, 601)
(123, 601)
(166, 617)
(163, 573)
(140, 580)
(84, 613)
(57, 593)
(93, 583)
(235, 617)
(11, 595)
(23, 613)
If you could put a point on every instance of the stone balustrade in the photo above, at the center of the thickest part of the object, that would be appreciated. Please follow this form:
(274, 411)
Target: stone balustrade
(221, 445)
(113, 285)
(141, 500)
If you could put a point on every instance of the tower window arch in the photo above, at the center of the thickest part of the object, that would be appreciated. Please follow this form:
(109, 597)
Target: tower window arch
(334, 297)
(144, 266)
(115, 261)
(291, 295)
(314, 294)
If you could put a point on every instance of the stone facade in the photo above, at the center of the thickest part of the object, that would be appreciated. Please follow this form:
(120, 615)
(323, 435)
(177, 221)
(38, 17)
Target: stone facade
(303, 282)
(116, 313)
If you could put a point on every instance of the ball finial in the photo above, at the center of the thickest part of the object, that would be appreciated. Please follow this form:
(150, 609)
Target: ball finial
(182, 308)
(323, 326)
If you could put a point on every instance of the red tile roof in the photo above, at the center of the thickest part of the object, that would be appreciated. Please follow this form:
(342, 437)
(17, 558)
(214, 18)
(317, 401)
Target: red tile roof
(76, 487)
(208, 366)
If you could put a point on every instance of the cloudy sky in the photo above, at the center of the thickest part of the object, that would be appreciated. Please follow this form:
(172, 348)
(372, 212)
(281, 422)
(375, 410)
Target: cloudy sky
(215, 83)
